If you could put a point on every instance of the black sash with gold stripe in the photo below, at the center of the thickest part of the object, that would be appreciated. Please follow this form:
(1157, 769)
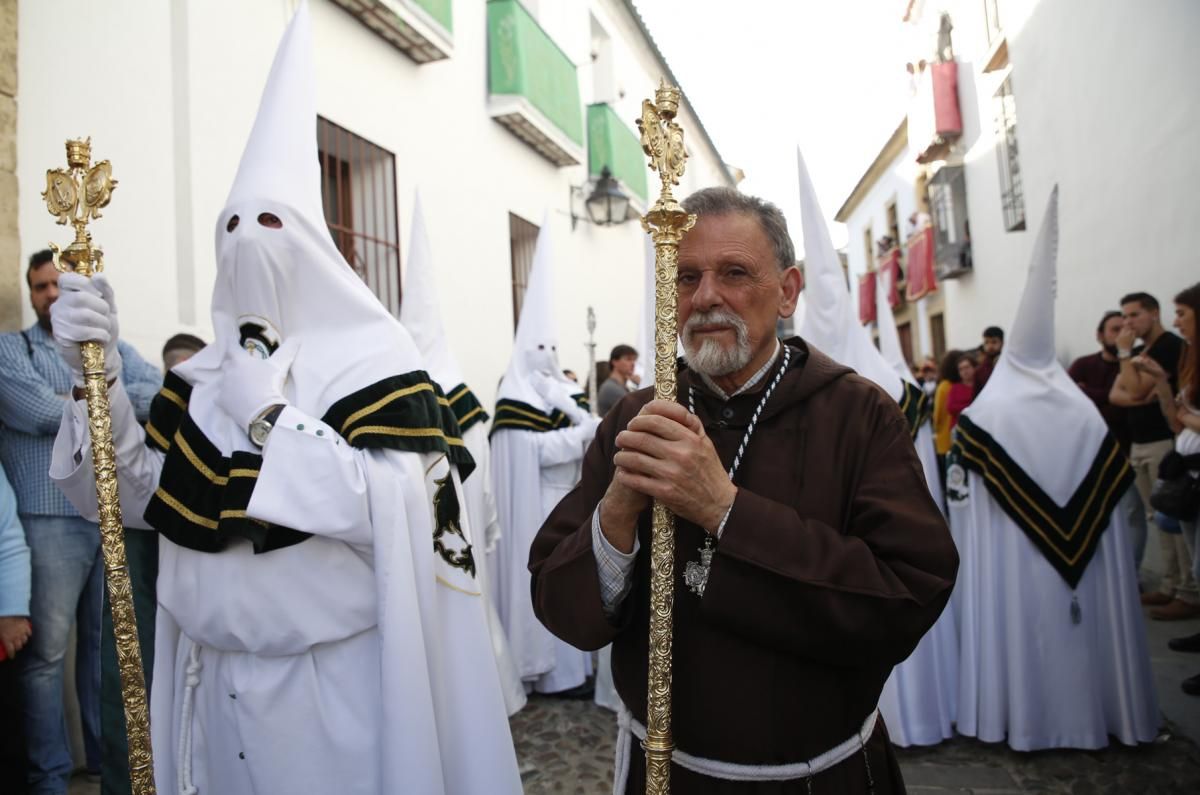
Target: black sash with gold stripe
(466, 407)
(202, 495)
(916, 407)
(1068, 535)
(404, 412)
(524, 417)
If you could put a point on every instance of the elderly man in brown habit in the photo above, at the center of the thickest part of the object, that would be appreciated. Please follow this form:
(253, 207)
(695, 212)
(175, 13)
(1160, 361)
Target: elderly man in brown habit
(809, 555)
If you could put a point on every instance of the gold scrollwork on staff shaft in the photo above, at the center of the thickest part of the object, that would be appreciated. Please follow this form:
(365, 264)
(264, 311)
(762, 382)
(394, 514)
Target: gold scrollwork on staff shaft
(666, 223)
(75, 195)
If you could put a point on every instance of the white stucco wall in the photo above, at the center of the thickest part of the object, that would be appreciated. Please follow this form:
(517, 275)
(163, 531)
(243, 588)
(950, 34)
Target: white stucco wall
(173, 99)
(1105, 108)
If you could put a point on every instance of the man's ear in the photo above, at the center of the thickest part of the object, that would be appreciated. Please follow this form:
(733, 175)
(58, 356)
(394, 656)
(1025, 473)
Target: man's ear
(791, 283)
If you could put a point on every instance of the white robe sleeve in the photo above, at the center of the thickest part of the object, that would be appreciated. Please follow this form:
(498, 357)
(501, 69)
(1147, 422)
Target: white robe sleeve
(313, 481)
(138, 466)
(565, 445)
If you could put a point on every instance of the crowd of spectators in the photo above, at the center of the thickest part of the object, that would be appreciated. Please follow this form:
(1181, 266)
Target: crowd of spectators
(1145, 381)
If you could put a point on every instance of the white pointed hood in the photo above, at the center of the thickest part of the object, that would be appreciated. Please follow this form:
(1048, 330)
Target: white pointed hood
(290, 282)
(1030, 406)
(420, 312)
(889, 336)
(830, 321)
(535, 349)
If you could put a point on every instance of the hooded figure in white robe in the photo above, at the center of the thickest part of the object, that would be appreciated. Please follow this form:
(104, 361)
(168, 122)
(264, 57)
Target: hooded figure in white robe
(918, 700)
(421, 316)
(320, 618)
(539, 434)
(1053, 643)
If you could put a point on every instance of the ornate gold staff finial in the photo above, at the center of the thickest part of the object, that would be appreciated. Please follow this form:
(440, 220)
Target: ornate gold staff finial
(666, 223)
(75, 195)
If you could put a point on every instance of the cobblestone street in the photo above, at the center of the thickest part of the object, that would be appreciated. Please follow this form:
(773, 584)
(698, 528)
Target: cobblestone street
(566, 747)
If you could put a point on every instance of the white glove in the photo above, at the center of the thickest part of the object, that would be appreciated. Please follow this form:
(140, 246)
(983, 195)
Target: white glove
(251, 385)
(554, 395)
(86, 311)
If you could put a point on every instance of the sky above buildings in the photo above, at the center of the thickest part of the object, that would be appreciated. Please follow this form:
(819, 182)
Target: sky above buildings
(768, 75)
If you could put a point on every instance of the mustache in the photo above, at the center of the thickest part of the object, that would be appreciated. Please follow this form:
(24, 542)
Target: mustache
(716, 317)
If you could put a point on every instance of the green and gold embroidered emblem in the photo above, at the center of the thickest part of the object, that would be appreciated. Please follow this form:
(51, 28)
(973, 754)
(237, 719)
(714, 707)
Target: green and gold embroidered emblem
(448, 524)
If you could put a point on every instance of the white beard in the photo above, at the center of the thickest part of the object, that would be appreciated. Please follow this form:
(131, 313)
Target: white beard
(710, 357)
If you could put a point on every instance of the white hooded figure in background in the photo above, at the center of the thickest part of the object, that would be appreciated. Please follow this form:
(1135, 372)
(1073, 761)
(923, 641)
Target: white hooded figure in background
(320, 618)
(1053, 642)
(918, 701)
(422, 317)
(539, 434)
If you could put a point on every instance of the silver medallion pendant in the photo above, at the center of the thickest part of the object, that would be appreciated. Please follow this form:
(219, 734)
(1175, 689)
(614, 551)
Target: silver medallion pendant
(695, 574)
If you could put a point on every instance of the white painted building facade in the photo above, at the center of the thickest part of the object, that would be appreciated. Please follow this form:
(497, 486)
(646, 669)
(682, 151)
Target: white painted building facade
(168, 91)
(1103, 96)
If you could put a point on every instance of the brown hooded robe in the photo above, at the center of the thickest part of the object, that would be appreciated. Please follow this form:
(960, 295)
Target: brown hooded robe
(832, 565)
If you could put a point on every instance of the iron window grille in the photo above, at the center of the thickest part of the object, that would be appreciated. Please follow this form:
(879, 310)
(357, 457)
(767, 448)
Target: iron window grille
(358, 189)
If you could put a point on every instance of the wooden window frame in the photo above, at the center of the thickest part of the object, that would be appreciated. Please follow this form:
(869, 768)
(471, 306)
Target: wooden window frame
(522, 240)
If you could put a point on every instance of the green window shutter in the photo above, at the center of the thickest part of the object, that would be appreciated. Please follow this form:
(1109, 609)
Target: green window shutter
(524, 61)
(441, 10)
(612, 143)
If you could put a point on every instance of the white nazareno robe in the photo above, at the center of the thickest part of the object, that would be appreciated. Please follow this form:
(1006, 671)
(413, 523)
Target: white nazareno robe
(1029, 673)
(481, 508)
(531, 472)
(919, 700)
(345, 663)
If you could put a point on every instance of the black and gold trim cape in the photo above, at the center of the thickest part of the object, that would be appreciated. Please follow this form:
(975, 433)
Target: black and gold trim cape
(202, 495)
(524, 417)
(1068, 535)
(916, 407)
(466, 407)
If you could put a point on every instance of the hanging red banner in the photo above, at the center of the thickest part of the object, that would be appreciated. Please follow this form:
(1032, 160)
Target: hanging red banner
(866, 298)
(947, 119)
(921, 281)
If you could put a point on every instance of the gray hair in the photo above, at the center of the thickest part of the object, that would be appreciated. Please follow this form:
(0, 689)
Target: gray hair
(722, 201)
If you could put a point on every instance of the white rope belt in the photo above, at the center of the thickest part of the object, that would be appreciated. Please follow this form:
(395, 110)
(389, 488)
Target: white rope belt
(191, 682)
(628, 728)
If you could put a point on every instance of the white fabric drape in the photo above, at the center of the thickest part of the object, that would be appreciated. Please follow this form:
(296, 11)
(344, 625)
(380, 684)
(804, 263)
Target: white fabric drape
(485, 527)
(918, 698)
(538, 470)
(1029, 673)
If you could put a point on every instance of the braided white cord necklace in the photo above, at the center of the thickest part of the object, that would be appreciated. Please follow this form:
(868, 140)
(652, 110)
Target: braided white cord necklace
(695, 574)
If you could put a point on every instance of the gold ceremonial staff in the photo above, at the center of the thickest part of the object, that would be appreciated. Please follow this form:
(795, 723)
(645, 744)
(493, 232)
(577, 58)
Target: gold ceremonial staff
(75, 195)
(666, 223)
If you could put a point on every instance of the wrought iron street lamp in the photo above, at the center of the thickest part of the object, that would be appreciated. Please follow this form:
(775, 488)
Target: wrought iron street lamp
(606, 205)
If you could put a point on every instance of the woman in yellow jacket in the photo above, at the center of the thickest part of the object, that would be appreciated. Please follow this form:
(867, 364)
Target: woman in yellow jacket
(943, 422)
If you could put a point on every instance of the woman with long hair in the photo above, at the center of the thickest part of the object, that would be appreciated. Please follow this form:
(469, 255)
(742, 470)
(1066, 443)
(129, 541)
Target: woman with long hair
(962, 393)
(1182, 412)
